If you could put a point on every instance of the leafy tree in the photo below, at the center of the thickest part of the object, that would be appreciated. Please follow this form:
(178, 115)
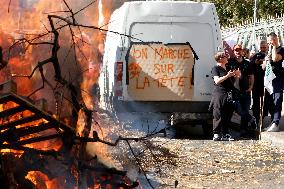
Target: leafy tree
(236, 11)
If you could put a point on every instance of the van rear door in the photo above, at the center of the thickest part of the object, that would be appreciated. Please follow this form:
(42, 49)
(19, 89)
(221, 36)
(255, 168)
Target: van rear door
(164, 67)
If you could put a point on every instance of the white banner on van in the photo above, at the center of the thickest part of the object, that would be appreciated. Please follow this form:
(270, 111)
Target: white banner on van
(159, 72)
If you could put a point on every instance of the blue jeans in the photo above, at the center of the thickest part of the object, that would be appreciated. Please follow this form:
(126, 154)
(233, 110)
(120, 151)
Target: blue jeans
(277, 99)
(276, 107)
(242, 108)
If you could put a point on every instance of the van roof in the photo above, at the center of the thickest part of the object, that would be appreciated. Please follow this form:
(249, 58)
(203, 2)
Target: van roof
(162, 11)
(168, 8)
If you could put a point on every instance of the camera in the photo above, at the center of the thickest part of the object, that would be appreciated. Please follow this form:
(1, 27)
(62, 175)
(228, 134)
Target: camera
(260, 56)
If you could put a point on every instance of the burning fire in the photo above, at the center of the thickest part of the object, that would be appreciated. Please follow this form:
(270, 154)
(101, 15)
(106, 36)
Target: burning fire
(26, 19)
(41, 181)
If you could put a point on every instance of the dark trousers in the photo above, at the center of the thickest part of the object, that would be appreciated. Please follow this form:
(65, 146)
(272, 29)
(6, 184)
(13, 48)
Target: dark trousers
(260, 101)
(222, 113)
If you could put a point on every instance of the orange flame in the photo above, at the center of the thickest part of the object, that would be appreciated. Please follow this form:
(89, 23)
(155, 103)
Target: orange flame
(41, 181)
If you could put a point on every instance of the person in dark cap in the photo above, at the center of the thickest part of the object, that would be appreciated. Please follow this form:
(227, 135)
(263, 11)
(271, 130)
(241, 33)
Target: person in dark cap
(245, 85)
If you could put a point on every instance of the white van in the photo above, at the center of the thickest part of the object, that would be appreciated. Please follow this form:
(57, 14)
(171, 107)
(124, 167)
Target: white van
(165, 66)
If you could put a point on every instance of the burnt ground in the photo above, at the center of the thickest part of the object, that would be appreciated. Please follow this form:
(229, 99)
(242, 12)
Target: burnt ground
(195, 163)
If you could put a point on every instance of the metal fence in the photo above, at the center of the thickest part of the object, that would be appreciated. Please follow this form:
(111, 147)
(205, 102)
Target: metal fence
(244, 33)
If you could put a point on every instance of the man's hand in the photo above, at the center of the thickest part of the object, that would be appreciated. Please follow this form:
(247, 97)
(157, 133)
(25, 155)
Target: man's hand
(267, 58)
(249, 90)
(237, 73)
(231, 73)
(259, 61)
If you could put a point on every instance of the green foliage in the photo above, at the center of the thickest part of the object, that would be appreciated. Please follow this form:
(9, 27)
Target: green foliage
(232, 12)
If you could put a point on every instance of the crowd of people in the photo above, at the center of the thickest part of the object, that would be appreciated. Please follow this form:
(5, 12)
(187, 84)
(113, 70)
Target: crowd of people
(239, 82)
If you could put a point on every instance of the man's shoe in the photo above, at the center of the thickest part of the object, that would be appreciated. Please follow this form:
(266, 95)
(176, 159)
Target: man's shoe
(216, 137)
(273, 128)
(243, 133)
(266, 122)
(227, 137)
(252, 124)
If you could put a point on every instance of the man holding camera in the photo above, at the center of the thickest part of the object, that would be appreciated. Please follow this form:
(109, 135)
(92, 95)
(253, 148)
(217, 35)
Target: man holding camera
(258, 87)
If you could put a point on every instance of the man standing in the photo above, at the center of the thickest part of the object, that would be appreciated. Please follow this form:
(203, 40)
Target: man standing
(276, 58)
(258, 87)
(245, 86)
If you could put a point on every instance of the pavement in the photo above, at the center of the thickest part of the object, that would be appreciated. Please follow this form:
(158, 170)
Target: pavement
(275, 138)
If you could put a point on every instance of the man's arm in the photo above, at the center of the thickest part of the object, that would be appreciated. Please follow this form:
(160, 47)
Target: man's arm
(251, 82)
(275, 55)
(250, 78)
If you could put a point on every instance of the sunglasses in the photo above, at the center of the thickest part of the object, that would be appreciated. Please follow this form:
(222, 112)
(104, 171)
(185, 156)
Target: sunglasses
(237, 49)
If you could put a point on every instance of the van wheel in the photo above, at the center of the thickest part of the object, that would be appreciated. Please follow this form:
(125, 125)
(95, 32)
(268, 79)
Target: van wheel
(207, 129)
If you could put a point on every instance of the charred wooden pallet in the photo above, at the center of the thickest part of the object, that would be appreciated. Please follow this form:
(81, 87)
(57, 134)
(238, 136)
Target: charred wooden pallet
(22, 122)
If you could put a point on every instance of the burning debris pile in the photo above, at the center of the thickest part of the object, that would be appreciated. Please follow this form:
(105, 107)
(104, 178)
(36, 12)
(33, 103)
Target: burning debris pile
(46, 105)
(38, 151)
